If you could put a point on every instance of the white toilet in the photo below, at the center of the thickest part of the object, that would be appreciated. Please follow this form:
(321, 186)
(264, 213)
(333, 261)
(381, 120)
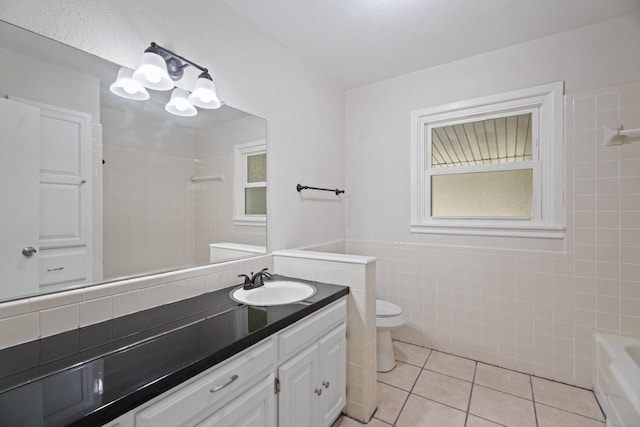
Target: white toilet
(388, 316)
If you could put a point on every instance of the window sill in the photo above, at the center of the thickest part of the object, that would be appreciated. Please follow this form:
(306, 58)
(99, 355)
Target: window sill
(250, 222)
(538, 231)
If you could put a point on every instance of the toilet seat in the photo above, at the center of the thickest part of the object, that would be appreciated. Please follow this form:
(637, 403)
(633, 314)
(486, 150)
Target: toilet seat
(387, 309)
(388, 315)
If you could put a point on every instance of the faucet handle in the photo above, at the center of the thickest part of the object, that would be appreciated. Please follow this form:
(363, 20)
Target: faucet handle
(257, 279)
(266, 274)
(247, 279)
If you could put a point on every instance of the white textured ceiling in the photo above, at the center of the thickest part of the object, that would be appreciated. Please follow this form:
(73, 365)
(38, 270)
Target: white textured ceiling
(354, 42)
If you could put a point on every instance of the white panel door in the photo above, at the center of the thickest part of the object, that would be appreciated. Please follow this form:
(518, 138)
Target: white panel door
(65, 190)
(298, 402)
(333, 374)
(19, 133)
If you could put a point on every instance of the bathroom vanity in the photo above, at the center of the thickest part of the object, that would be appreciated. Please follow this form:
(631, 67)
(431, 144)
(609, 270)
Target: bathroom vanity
(205, 361)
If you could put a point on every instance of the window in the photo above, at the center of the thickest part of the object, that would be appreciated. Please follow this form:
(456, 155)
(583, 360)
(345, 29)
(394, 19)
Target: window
(490, 166)
(250, 184)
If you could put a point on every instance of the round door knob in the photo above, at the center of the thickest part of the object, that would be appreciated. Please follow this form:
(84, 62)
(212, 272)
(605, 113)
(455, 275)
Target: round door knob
(29, 251)
(326, 384)
(318, 391)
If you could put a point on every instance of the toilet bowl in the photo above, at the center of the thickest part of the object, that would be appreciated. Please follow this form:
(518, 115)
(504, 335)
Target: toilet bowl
(388, 316)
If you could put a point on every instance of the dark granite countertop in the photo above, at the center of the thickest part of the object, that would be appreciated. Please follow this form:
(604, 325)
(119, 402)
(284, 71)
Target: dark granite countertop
(110, 368)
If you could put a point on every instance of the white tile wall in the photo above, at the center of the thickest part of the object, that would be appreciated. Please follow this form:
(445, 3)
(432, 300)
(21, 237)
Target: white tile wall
(531, 310)
(148, 197)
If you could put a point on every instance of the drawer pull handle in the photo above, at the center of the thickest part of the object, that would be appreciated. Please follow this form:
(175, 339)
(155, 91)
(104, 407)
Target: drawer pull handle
(318, 391)
(220, 387)
(326, 384)
(55, 269)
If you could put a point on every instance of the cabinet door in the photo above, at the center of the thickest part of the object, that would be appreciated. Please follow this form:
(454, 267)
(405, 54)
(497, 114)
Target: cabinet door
(298, 402)
(253, 409)
(332, 350)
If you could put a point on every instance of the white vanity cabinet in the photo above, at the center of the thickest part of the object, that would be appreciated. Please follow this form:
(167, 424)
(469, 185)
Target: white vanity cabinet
(190, 404)
(294, 378)
(313, 382)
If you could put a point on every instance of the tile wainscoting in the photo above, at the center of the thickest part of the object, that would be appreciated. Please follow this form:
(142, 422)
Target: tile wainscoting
(535, 311)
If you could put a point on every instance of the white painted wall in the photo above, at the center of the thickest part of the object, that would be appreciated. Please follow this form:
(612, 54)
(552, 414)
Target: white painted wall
(22, 76)
(377, 115)
(530, 305)
(253, 72)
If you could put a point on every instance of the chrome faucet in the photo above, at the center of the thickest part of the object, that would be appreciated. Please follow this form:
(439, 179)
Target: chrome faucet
(256, 280)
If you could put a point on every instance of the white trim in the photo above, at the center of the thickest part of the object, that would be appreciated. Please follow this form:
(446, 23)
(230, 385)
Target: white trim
(240, 154)
(546, 103)
(324, 256)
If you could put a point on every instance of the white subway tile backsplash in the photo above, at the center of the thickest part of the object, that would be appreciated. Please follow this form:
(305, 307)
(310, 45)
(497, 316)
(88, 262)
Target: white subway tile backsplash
(128, 303)
(57, 299)
(14, 308)
(19, 329)
(60, 319)
(95, 311)
(94, 292)
(145, 282)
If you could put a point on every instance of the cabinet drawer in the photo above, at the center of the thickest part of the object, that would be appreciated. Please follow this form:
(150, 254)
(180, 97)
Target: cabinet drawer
(59, 266)
(205, 395)
(256, 407)
(308, 331)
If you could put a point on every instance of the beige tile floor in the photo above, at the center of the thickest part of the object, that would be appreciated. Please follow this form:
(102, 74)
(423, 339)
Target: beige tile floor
(428, 388)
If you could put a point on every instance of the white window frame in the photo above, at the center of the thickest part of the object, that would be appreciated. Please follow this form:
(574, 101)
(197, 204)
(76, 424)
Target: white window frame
(547, 220)
(240, 154)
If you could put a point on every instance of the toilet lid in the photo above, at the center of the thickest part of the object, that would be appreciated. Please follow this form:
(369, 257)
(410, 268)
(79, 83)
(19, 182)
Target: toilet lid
(386, 309)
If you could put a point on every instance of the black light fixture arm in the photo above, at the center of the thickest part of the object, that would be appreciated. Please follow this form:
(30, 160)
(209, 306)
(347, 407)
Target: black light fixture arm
(176, 63)
(306, 187)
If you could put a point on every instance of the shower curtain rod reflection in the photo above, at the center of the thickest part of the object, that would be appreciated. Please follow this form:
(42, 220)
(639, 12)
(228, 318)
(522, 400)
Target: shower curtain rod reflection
(306, 187)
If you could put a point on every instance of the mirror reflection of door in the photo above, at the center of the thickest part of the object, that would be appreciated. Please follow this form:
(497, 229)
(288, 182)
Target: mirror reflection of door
(19, 212)
(65, 189)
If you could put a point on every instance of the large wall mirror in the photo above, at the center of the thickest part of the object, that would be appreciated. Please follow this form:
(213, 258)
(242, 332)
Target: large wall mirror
(95, 188)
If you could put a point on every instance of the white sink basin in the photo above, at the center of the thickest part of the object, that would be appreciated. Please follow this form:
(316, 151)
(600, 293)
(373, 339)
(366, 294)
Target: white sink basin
(274, 293)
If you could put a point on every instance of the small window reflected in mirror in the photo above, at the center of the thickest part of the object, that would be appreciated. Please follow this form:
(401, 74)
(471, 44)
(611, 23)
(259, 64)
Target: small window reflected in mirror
(250, 187)
(257, 168)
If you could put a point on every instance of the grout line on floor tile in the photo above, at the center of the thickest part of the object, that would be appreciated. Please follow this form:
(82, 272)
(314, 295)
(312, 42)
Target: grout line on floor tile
(456, 355)
(439, 403)
(382, 421)
(571, 412)
(447, 375)
(410, 391)
(504, 392)
(501, 391)
(533, 400)
(394, 386)
(473, 381)
(487, 419)
(513, 370)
